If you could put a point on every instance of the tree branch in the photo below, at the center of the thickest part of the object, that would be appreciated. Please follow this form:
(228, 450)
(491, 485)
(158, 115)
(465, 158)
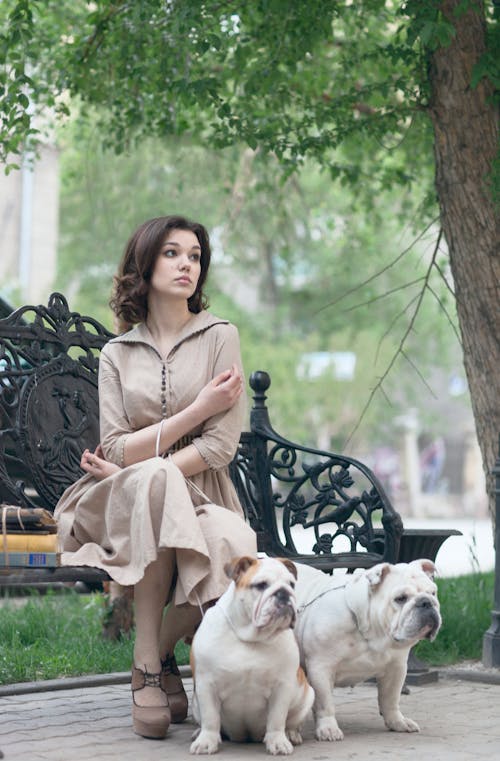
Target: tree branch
(394, 321)
(400, 349)
(380, 272)
(414, 366)
(383, 295)
(95, 39)
(447, 315)
(444, 279)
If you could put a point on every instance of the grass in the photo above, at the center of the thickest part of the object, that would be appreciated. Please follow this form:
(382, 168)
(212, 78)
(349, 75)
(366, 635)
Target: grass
(466, 605)
(55, 635)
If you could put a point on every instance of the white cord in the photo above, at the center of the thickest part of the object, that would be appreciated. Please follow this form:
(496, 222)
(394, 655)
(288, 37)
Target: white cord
(158, 437)
(199, 603)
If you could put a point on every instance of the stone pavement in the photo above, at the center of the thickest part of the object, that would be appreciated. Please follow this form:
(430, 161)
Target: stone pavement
(459, 721)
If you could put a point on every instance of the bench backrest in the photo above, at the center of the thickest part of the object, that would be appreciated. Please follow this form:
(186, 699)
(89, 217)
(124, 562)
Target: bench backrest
(49, 358)
(314, 505)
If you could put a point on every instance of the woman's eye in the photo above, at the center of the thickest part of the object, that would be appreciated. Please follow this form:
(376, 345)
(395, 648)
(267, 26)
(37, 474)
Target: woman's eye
(195, 257)
(170, 252)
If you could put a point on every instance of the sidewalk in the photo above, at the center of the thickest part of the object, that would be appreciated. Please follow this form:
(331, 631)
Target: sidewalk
(459, 721)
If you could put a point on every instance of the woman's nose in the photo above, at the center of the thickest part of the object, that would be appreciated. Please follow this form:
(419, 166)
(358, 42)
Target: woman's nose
(184, 263)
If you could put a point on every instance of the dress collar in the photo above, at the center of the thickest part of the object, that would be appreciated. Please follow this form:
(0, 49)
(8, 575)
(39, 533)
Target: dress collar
(197, 324)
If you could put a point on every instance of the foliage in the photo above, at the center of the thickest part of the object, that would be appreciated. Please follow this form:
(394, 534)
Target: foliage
(38, 639)
(299, 79)
(466, 604)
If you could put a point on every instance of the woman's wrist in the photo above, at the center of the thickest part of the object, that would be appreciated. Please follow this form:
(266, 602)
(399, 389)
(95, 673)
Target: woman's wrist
(192, 416)
(197, 412)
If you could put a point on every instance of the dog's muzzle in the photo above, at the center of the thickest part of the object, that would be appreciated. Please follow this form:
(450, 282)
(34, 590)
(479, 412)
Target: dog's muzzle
(278, 603)
(285, 605)
(428, 615)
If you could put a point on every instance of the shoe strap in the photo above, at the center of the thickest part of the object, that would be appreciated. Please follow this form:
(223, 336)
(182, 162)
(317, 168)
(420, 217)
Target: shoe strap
(147, 678)
(169, 665)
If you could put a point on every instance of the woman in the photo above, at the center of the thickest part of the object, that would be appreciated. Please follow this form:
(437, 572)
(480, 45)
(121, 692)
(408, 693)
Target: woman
(171, 411)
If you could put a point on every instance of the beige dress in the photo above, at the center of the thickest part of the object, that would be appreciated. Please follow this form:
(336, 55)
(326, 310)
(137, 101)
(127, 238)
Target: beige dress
(120, 523)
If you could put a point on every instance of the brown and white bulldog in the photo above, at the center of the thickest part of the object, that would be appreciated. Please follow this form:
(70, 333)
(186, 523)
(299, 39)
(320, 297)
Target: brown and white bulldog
(352, 628)
(245, 661)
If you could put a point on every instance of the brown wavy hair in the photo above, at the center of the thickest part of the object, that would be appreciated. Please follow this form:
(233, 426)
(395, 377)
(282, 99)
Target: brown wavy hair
(129, 300)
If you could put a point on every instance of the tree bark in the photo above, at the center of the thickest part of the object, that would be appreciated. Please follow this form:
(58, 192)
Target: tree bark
(466, 142)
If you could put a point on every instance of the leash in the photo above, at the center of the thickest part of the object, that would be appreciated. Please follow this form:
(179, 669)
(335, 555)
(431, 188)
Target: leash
(321, 594)
(232, 626)
(334, 589)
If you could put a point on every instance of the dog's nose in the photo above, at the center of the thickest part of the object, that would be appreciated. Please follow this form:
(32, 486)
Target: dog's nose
(282, 596)
(423, 602)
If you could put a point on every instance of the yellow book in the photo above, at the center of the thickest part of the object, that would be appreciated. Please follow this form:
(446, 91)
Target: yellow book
(29, 542)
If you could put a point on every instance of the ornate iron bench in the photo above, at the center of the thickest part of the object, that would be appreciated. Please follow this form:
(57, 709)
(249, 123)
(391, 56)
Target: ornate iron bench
(313, 506)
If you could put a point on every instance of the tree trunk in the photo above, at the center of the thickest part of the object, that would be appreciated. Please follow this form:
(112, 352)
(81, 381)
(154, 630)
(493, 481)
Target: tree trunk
(466, 142)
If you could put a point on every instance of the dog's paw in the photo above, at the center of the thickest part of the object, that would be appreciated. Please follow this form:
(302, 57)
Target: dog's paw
(328, 729)
(400, 723)
(277, 744)
(205, 743)
(294, 736)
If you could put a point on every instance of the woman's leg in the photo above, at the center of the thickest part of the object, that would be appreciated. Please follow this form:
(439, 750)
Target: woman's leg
(150, 595)
(177, 623)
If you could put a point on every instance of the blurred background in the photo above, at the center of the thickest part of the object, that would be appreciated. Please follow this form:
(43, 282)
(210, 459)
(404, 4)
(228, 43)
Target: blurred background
(320, 280)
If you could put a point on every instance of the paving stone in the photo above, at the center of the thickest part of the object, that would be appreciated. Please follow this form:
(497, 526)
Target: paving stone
(458, 721)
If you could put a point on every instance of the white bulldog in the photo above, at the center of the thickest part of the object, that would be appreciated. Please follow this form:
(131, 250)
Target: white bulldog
(245, 661)
(352, 628)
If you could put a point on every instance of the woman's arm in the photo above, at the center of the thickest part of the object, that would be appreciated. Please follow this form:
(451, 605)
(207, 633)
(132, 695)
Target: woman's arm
(217, 443)
(124, 446)
(216, 397)
(221, 433)
(189, 461)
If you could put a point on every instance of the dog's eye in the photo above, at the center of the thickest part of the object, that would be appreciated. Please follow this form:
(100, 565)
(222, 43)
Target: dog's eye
(292, 584)
(261, 585)
(401, 599)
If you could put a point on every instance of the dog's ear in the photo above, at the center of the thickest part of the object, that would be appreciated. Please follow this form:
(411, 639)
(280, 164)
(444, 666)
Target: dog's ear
(238, 566)
(425, 565)
(357, 597)
(377, 574)
(289, 565)
(358, 593)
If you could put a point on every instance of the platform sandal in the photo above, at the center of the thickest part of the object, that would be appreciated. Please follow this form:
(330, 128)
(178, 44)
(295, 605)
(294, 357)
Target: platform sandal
(149, 721)
(171, 684)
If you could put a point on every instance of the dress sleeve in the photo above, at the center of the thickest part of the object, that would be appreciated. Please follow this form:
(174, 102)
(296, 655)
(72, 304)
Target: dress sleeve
(220, 434)
(114, 424)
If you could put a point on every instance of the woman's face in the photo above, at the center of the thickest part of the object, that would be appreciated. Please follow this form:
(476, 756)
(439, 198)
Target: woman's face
(178, 265)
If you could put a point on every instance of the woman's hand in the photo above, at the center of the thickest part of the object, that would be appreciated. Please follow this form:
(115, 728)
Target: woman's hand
(96, 464)
(221, 393)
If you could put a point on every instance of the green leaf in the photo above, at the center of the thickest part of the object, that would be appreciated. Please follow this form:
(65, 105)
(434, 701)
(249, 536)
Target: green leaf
(23, 100)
